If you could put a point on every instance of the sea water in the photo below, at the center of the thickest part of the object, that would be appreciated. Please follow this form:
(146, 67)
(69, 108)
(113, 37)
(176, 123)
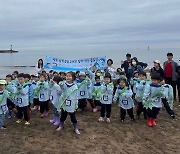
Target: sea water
(30, 58)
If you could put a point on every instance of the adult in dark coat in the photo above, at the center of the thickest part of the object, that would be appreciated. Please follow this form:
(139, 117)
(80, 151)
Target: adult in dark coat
(157, 69)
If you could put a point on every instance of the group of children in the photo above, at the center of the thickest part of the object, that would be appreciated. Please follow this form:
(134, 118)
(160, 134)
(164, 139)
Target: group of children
(70, 92)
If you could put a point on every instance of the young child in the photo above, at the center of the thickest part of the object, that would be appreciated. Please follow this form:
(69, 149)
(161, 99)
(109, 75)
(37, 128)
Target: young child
(22, 100)
(54, 98)
(124, 94)
(3, 103)
(96, 94)
(36, 103)
(28, 82)
(134, 81)
(83, 84)
(106, 99)
(140, 87)
(152, 99)
(68, 101)
(90, 98)
(169, 99)
(11, 88)
(43, 89)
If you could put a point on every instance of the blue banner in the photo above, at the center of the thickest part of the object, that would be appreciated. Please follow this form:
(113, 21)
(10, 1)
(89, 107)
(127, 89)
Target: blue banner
(74, 65)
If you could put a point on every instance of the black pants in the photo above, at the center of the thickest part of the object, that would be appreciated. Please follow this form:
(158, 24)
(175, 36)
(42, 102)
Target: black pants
(123, 113)
(36, 101)
(10, 104)
(141, 109)
(167, 107)
(178, 87)
(91, 103)
(173, 84)
(23, 110)
(64, 116)
(153, 113)
(106, 108)
(82, 104)
(97, 103)
(44, 107)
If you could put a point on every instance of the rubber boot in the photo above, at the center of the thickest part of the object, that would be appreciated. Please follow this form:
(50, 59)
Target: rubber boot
(53, 120)
(149, 122)
(76, 130)
(57, 122)
(153, 120)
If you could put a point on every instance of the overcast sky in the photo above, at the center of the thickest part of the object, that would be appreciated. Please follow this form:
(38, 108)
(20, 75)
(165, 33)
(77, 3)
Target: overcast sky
(90, 22)
(90, 25)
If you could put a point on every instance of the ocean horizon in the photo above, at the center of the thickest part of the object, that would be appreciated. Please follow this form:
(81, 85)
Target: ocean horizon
(27, 58)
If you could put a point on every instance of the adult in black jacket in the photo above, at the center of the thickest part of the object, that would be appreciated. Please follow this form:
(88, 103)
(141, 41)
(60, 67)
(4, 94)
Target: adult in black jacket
(157, 69)
(178, 81)
(125, 64)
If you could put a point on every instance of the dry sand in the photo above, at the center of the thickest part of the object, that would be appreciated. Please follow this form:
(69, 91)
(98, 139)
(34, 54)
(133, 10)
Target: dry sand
(96, 138)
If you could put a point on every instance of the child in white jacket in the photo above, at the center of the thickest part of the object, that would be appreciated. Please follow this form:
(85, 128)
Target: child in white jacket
(126, 103)
(106, 99)
(54, 98)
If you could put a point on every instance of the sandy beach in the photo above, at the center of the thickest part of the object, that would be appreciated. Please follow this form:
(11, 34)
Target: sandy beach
(96, 138)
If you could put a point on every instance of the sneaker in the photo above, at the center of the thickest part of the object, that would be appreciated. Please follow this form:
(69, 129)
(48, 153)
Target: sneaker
(133, 119)
(3, 127)
(172, 116)
(108, 120)
(9, 117)
(59, 128)
(46, 114)
(122, 120)
(101, 119)
(18, 121)
(42, 115)
(53, 120)
(27, 123)
(95, 110)
(77, 131)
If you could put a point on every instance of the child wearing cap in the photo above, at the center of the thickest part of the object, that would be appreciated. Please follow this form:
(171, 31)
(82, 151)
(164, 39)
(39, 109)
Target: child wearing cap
(11, 88)
(3, 103)
(83, 84)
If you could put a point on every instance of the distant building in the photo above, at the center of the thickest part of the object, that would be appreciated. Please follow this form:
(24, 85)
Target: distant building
(9, 51)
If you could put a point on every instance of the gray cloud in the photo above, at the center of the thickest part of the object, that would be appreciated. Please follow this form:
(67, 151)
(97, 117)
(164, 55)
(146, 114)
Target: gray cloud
(88, 22)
